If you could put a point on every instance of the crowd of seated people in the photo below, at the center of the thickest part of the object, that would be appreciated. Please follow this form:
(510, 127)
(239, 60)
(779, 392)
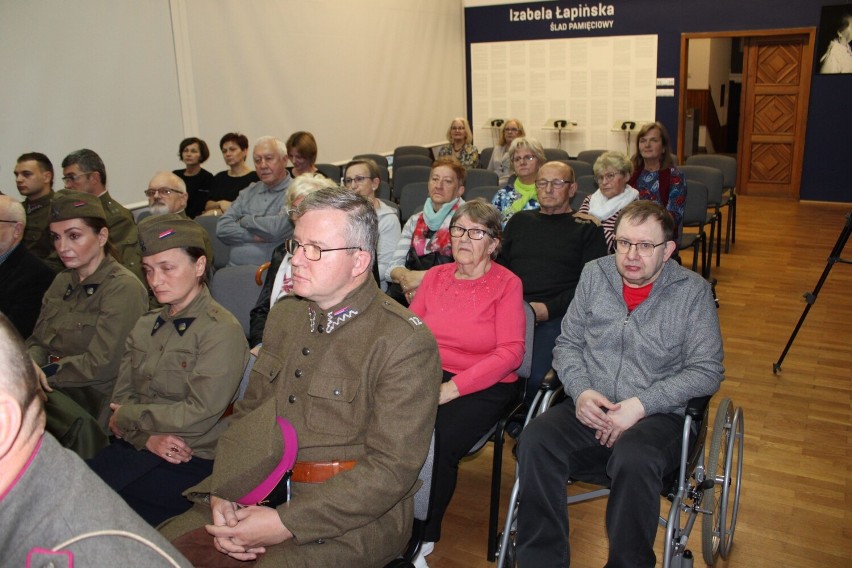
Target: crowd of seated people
(143, 397)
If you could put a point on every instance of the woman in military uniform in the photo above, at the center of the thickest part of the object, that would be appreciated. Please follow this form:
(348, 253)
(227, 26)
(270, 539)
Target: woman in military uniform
(180, 371)
(85, 317)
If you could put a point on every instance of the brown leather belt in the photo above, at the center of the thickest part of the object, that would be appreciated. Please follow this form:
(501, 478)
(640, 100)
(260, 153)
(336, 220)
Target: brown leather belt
(319, 472)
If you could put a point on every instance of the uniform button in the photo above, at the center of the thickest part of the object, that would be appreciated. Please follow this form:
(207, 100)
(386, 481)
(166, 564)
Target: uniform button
(291, 398)
(320, 328)
(298, 373)
(336, 392)
(306, 351)
(320, 541)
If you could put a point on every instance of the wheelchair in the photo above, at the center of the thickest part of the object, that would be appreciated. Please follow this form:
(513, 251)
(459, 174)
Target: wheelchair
(706, 485)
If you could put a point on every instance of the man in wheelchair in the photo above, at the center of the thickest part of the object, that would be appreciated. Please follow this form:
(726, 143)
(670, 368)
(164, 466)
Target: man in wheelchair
(640, 339)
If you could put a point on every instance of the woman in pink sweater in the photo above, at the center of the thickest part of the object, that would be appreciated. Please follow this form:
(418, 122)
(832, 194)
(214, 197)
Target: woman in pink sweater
(474, 307)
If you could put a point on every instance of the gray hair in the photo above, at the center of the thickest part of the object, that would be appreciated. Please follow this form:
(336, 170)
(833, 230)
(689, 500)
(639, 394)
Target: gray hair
(17, 370)
(617, 161)
(88, 161)
(13, 210)
(529, 143)
(306, 184)
(279, 145)
(362, 227)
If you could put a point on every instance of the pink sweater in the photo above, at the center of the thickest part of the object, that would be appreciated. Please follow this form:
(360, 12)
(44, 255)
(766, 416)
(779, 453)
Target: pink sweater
(479, 324)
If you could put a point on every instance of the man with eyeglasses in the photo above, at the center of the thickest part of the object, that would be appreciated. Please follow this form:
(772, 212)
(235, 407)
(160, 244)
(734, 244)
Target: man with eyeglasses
(547, 249)
(257, 220)
(84, 170)
(358, 376)
(166, 193)
(640, 339)
(34, 179)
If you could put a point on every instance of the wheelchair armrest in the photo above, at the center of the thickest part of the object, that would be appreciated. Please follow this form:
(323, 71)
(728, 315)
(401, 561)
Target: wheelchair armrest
(550, 382)
(696, 406)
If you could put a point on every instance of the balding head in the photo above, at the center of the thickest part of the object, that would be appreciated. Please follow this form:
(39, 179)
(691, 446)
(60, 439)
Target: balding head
(166, 194)
(13, 219)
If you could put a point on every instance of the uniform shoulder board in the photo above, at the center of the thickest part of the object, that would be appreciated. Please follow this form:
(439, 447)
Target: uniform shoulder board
(395, 308)
(587, 218)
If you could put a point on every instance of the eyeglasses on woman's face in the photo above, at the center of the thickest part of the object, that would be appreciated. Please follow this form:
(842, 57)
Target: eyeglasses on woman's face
(457, 231)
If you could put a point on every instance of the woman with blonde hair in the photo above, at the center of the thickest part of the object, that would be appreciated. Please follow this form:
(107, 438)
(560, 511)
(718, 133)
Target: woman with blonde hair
(500, 162)
(460, 144)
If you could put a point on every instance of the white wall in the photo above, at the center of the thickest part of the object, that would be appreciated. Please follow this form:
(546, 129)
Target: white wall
(129, 79)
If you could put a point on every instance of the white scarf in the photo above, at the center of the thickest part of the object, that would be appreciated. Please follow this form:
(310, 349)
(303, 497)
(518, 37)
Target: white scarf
(604, 208)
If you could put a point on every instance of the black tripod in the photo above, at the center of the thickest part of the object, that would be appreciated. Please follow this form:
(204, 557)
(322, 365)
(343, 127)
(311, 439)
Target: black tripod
(810, 297)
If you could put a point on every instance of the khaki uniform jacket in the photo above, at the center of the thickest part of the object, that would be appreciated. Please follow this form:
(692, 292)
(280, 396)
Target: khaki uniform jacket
(179, 374)
(37, 232)
(123, 234)
(358, 382)
(86, 324)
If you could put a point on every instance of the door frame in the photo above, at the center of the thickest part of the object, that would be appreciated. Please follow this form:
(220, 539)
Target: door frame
(745, 34)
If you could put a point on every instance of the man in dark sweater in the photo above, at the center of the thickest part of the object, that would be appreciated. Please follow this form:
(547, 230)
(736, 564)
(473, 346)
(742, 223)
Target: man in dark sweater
(547, 249)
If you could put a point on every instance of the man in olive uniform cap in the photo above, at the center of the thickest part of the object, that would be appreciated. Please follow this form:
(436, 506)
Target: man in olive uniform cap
(358, 377)
(83, 170)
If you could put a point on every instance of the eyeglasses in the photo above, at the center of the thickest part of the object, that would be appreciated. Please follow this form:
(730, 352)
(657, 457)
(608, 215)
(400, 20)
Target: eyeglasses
(609, 176)
(556, 183)
(622, 246)
(474, 234)
(357, 180)
(519, 159)
(73, 177)
(511, 129)
(164, 191)
(312, 252)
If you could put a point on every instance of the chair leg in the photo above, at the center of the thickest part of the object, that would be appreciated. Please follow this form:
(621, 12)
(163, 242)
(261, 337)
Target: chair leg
(705, 266)
(695, 256)
(709, 246)
(732, 217)
(718, 236)
(496, 473)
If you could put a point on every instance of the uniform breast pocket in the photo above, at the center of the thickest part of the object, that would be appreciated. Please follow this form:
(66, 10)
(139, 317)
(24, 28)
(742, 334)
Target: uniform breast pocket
(333, 406)
(172, 373)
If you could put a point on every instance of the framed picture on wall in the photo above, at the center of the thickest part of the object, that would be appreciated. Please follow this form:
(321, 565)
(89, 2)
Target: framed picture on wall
(834, 51)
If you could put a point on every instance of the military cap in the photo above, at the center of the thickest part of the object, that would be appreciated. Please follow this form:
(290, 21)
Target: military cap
(69, 204)
(164, 232)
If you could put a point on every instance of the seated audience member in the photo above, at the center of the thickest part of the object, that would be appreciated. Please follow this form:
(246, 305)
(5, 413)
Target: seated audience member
(425, 238)
(527, 156)
(547, 249)
(85, 316)
(278, 281)
(302, 152)
(227, 184)
(34, 179)
(362, 177)
(655, 175)
(180, 370)
(358, 377)
(628, 380)
(194, 152)
(612, 172)
(166, 193)
(257, 221)
(84, 171)
(460, 144)
(501, 163)
(23, 278)
(48, 496)
(475, 309)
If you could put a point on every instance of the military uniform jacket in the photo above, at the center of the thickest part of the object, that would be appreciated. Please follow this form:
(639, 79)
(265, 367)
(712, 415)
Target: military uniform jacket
(179, 373)
(57, 497)
(123, 234)
(86, 324)
(37, 232)
(359, 382)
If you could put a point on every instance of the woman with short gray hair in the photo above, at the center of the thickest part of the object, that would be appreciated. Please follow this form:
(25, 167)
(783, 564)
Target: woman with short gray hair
(612, 172)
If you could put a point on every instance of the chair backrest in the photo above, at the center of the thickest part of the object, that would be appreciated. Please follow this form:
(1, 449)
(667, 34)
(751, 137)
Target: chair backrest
(486, 192)
(476, 177)
(235, 288)
(578, 198)
(406, 175)
(410, 160)
(726, 164)
(529, 334)
(586, 184)
(384, 191)
(378, 158)
(221, 251)
(580, 168)
(330, 171)
(556, 154)
(711, 177)
(413, 196)
(589, 156)
(695, 207)
(485, 156)
(408, 150)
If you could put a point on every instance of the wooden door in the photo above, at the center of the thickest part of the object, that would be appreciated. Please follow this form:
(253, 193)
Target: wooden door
(776, 84)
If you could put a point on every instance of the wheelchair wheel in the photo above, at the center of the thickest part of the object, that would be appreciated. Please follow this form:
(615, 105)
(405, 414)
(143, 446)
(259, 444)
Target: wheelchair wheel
(724, 467)
(509, 560)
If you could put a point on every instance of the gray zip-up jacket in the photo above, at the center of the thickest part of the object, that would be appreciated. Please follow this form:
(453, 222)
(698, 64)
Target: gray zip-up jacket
(665, 352)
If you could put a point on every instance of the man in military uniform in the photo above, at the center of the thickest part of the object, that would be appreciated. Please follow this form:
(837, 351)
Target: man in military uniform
(358, 377)
(34, 178)
(166, 193)
(36, 513)
(83, 170)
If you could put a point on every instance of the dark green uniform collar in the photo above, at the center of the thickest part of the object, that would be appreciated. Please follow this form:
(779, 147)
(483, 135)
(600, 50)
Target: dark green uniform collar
(39, 203)
(183, 319)
(327, 321)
